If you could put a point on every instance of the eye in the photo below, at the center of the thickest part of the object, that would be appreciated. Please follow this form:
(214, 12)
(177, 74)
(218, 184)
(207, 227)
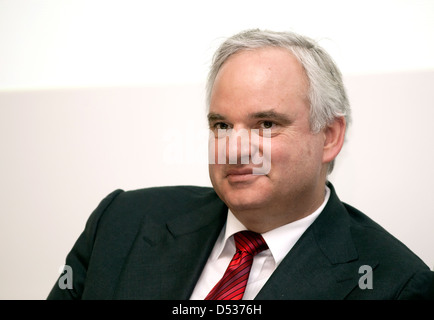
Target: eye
(220, 125)
(267, 124)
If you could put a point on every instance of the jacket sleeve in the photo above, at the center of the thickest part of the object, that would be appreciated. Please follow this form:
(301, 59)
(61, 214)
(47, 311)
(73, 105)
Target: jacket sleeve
(77, 260)
(419, 287)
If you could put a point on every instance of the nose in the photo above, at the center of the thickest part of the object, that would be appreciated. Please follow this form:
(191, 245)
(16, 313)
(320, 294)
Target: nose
(238, 146)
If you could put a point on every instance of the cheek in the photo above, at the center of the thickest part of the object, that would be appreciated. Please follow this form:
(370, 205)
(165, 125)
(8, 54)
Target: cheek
(293, 155)
(216, 175)
(213, 171)
(283, 150)
(213, 150)
(280, 155)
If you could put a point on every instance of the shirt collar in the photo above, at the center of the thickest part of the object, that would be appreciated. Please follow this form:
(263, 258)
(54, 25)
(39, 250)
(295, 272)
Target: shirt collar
(225, 244)
(279, 240)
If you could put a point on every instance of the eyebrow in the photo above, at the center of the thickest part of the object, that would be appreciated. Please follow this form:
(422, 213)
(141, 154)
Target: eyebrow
(271, 115)
(215, 117)
(266, 114)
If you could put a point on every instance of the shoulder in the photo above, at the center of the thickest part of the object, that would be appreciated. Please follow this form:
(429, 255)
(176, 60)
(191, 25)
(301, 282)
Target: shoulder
(375, 240)
(395, 265)
(184, 193)
(120, 215)
(166, 197)
(371, 240)
(158, 201)
(398, 272)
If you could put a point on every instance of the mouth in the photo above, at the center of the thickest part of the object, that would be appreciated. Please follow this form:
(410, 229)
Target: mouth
(239, 175)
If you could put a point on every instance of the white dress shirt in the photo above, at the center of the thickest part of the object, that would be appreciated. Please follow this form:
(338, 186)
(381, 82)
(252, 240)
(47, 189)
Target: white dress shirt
(279, 241)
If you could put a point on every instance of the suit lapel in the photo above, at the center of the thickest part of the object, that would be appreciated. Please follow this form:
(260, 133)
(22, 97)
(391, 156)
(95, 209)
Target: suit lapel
(166, 260)
(323, 264)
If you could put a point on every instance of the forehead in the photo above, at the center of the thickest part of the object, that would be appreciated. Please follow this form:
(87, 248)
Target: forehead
(262, 78)
(271, 59)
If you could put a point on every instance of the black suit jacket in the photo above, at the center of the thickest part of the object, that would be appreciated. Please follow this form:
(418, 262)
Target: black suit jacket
(153, 244)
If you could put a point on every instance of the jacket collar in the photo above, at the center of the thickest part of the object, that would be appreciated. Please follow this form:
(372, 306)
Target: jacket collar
(332, 231)
(323, 264)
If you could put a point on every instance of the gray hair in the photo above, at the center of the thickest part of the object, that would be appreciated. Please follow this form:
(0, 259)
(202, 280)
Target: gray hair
(327, 95)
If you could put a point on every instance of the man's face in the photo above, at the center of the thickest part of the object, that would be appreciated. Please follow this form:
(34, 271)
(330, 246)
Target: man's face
(266, 89)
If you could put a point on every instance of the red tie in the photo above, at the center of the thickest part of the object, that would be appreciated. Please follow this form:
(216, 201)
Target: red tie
(234, 281)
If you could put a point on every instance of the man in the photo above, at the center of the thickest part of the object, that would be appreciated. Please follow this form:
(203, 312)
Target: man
(302, 242)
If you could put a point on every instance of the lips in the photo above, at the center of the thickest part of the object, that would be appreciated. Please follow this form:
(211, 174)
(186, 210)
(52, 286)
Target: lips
(239, 171)
(237, 176)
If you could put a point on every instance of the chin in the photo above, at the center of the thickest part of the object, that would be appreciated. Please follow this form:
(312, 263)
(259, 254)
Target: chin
(239, 198)
(239, 206)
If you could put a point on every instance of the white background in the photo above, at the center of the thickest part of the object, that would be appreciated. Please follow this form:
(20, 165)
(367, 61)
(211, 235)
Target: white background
(100, 95)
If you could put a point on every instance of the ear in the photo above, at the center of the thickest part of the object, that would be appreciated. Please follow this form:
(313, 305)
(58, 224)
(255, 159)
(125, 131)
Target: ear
(334, 135)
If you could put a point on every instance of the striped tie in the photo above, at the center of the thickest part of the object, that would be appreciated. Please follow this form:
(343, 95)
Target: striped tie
(234, 281)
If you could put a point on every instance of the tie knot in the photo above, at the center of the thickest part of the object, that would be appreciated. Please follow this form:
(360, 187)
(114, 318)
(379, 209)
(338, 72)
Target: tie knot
(250, 242)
